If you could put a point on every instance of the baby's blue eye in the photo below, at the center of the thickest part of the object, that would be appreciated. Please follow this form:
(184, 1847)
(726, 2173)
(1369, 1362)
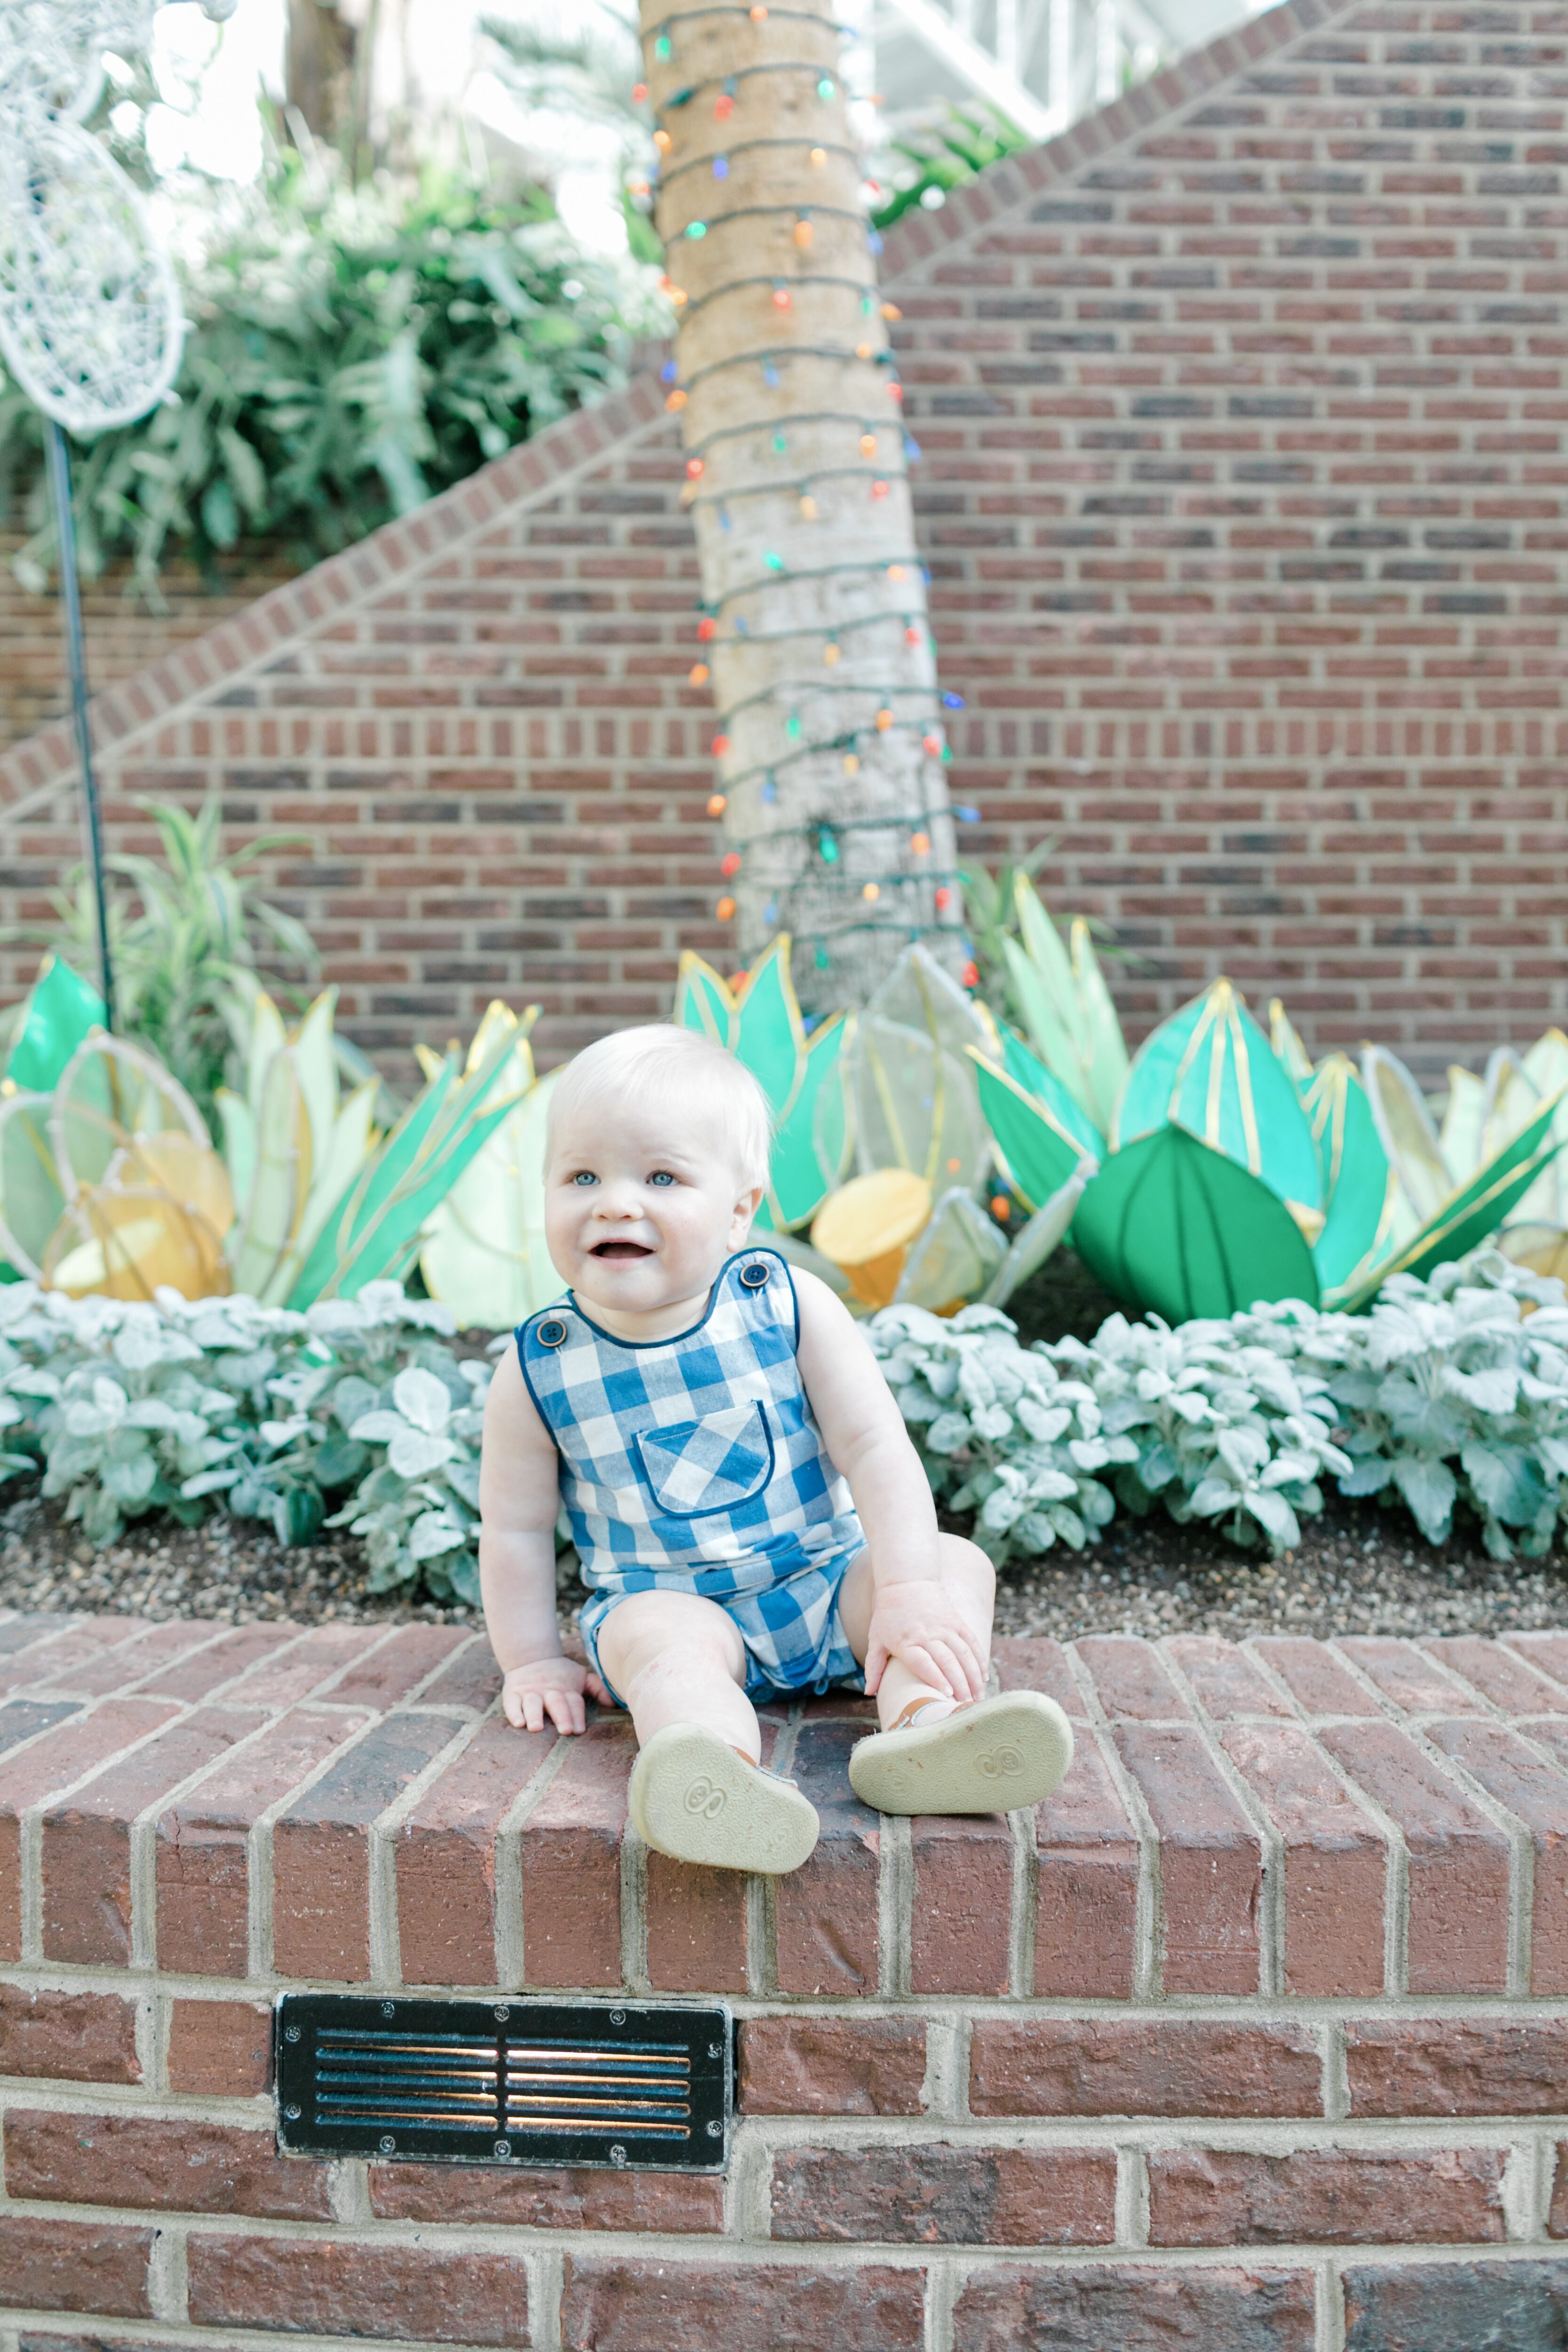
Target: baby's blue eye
(585, 1177)
(661, 1176)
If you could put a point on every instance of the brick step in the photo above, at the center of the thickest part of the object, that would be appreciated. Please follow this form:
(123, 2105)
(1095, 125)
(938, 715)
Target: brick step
(1329, 1820)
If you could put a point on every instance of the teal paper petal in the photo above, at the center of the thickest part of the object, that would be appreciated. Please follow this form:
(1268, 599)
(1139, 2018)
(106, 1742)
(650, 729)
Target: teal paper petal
(1029, 1072)
(1211, 1070)
(1041, 1157)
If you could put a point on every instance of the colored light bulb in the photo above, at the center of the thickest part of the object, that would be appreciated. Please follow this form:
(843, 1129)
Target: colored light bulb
(851, 764)
(729, 864)
(871, 890)
(719, 746)
(706, 628)
(720, 167)
(830, 652)
(792, 726)
(879, 489)
(827, 848)
(867, 445)
(825, 87)
(921, 844)
(723, 107)
(695, 229)
(668, 371)
(884, 721)
(781, 297)
(803, 232)
(675, 400)
(819, 156)
(772, 563)
(725, 910)
(694, 467)
(808, 506)
(662, 47)
(639, 92)
(698, 673)
(770, 790)
(717, 804)
(932, 743)
(943, 899)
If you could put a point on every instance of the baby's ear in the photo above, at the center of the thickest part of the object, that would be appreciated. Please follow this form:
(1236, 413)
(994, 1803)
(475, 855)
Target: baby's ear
(747, 1204)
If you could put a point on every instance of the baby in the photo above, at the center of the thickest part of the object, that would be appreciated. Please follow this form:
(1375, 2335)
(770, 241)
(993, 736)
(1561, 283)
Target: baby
(753, 1520)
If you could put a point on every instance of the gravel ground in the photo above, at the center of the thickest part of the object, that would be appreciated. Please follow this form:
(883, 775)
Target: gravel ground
(1358, 1570)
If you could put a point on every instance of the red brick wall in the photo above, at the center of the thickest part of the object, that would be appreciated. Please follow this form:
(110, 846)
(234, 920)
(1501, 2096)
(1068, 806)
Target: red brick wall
(124, 631)
(1243, 413)
(1253, 2038)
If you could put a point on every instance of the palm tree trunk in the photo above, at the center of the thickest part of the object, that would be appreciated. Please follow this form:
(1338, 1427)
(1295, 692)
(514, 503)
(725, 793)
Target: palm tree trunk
(830, 737)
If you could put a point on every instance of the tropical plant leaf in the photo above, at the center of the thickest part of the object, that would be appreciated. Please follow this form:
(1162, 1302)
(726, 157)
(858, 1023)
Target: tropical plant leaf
(1174, 1226)
(1211, 1070)
(1356, 1174)
(1042, 1155)
(1060, 1102)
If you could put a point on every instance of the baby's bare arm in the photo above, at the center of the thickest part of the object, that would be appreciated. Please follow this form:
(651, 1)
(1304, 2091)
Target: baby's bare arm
(519, 1502)
(914, 1618)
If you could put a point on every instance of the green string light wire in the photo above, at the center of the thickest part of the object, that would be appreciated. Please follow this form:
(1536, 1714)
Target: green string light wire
(813, 629)
(744, 147)
(772, 425)
(777, 354)
(793, 486)
(848, 741)
(801, 16)
(690, 309)
(823, 572)
(788, 686)
(767, 212)
(689, 90)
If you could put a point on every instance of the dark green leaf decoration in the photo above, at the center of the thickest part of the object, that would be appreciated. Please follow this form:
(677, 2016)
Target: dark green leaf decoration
(1178, 1229)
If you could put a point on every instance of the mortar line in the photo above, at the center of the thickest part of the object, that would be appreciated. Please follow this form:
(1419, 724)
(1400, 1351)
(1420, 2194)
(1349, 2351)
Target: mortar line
(381, 1856)
(510, 1933)
(1149, 1908)
(1271, 1855)
(1521, 1850)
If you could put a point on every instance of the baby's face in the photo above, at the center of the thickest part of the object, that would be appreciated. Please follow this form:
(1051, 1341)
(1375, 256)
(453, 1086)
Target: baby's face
(641, 1216)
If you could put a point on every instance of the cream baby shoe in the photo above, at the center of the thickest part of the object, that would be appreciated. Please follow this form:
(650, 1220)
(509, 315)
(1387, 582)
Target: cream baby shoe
(693, 1796)
(989, 1757)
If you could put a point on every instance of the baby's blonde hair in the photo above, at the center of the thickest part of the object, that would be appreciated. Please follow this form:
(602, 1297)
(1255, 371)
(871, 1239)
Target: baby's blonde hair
(639, 1068)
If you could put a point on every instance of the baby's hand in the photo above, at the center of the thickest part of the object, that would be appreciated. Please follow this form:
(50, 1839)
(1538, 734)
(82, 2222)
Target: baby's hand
(917, 1623)
(553, 1688)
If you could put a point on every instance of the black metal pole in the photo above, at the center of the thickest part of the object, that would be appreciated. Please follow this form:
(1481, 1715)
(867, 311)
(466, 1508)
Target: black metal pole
(76, 657)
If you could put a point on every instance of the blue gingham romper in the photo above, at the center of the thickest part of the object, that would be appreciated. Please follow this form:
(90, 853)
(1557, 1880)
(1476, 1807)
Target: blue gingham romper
(695, 1465)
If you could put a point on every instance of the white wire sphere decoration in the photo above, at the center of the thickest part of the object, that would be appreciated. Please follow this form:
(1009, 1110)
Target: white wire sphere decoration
(92, 322)
(51, 54)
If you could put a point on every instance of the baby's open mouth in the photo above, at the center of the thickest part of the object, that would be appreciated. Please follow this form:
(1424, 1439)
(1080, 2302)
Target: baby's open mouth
(619, 1249)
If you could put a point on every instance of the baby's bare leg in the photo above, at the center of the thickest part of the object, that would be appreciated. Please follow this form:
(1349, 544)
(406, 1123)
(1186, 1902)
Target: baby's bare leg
(971, 1583)
(674, 1658)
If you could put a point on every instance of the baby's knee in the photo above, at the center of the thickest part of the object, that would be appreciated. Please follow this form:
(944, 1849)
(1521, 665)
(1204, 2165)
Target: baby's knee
(652, 1634)
(965, 1564)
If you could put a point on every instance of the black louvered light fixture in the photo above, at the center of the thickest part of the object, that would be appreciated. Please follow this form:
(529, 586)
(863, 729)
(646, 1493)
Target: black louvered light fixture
(633, 2086)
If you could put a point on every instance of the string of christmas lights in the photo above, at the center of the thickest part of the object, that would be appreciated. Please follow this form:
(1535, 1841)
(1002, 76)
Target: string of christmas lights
(898, 736)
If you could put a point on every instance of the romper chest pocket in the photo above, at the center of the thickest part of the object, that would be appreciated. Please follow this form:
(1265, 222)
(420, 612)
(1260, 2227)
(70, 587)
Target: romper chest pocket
(697, 1466)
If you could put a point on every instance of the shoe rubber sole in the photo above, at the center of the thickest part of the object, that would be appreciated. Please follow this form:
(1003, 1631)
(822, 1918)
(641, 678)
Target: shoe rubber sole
(692, 1796)
(990, 1758)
